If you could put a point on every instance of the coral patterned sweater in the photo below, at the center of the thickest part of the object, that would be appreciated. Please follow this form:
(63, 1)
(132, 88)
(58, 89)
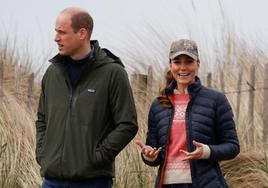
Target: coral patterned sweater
(176, 170)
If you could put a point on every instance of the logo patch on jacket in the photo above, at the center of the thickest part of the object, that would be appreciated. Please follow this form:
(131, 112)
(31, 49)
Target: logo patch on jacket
(91, 90)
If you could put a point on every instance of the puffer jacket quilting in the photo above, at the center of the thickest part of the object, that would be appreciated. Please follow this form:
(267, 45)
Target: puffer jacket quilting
(209, 120)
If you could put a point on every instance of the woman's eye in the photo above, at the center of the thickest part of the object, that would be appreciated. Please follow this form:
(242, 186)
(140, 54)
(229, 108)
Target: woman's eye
(190, 61)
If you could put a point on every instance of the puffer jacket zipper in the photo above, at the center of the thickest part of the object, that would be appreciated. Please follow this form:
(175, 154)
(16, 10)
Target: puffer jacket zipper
(161, 178)
(189, 137)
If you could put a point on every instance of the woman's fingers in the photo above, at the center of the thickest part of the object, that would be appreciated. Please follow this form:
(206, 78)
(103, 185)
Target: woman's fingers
(197, 144)
(151, 152)
(148, 151)
(196, 154)
(186, 158)
(144, 149)
(139, 143)
(154, 152)
(189, 155)
(184, 151)
(158, 151)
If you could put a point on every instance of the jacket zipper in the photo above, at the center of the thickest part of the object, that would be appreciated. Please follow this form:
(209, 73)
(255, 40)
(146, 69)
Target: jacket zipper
(68, 119)
(161, 178)
(189, 136)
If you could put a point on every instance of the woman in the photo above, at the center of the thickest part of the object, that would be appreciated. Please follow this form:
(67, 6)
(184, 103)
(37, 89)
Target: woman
(190, 127)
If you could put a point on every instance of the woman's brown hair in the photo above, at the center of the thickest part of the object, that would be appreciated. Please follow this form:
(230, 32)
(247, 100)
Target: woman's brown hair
(163, 98)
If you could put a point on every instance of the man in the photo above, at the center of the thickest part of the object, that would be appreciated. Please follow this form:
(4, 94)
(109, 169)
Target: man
(86, 113)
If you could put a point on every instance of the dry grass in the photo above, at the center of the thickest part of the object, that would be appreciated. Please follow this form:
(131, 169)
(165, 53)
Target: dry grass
(17, 163)
(18, 167)
(247, 170)
(250, 119)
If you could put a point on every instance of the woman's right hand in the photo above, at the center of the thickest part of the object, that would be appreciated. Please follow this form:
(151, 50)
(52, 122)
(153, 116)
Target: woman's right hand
(148, 151)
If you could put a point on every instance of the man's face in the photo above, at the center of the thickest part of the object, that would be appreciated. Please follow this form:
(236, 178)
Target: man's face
(68, 41)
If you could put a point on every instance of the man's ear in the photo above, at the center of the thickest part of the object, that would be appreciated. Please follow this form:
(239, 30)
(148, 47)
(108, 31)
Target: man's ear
(83, 33)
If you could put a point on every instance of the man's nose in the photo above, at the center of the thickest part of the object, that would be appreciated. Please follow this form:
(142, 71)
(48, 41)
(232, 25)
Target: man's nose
(56, 38)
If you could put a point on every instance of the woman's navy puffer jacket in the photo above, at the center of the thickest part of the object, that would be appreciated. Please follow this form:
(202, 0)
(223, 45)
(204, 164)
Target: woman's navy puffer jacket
(209, 120)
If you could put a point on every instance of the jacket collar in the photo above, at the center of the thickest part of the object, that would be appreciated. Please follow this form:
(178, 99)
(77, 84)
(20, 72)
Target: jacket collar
(59, 59)
(193, 89)
(98, 53)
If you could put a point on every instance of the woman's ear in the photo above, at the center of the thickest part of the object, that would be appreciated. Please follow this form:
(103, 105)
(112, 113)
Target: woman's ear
(198, 63)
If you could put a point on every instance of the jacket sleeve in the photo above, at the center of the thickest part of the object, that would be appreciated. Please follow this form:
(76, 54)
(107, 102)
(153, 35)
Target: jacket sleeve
(124, 116)
(151, 138)
(40, 124)
(227, 144)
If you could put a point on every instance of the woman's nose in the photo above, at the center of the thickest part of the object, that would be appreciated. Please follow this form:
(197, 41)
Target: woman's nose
(182, 66)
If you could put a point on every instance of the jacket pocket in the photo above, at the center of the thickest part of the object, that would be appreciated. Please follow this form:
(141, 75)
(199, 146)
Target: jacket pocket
(100, 159)
(98, 156)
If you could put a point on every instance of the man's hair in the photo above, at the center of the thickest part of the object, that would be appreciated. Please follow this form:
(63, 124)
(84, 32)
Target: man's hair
(82, 20)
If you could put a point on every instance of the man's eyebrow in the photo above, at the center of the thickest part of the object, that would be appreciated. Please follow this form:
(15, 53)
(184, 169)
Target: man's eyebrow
(58, 30)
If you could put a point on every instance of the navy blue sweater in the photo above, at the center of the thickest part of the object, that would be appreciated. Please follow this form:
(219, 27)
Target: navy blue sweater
(75, 67)
(209, 120)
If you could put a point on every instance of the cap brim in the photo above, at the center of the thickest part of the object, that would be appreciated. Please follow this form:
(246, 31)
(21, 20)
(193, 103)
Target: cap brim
(183, 53)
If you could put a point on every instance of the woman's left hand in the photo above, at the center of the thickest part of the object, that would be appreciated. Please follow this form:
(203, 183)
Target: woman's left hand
(196, 154)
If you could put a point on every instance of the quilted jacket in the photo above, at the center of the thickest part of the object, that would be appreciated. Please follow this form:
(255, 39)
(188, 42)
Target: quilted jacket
(209, 120)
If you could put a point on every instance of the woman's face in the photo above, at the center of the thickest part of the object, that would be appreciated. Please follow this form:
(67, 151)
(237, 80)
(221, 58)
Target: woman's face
(184, 69)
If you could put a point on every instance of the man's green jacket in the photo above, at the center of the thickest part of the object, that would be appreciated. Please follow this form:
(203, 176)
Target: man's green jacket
(81, 129)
